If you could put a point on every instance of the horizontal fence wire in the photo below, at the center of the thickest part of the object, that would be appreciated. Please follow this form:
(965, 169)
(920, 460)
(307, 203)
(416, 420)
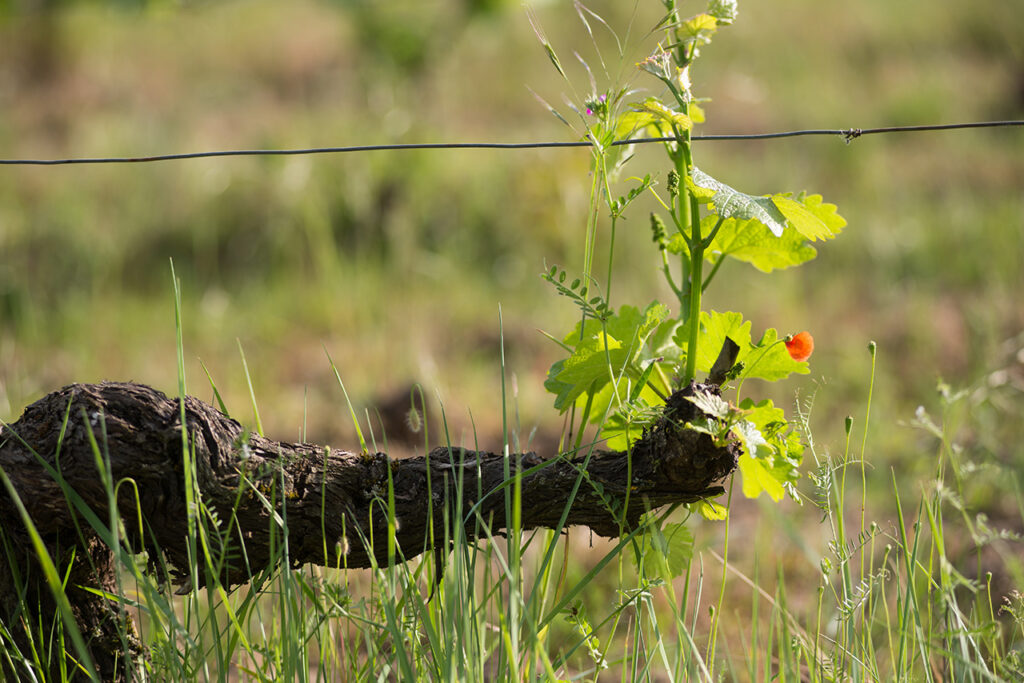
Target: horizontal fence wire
(847, 134)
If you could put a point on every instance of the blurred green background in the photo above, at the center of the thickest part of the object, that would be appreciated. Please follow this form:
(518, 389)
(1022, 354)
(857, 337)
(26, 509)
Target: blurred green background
(397, 263)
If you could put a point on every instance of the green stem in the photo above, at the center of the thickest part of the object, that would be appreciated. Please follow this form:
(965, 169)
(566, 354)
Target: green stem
(696, 277)
(682, 219)
(668, 275)
(704, 244)
(611, 258)
(614, 216)
(694, 281)
(592, 219)
(714, 232)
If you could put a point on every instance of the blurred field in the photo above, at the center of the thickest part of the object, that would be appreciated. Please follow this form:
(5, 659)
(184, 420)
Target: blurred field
(396, 263)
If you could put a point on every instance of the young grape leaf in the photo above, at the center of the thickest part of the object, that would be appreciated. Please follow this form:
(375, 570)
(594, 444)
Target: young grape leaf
(755, 463)
(732, 203)
(752, 242)
(769, 360)
(669, 550)
(699, 27)
(677, 243)
(758, 478)
(637, 124)
(785, 450)
(762, 414)
(563, 391)
(710, 404)
(601, 351)
(766, 359)
(809, 216)
(715, 327)
(826, 213)
(628, 324)
(662, 344)
(805, 222)
(696, 112)
(653, 107)
(593, 360)
(710, 510)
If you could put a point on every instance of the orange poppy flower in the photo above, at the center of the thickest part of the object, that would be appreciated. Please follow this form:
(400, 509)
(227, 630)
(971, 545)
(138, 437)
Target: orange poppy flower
(800, 346)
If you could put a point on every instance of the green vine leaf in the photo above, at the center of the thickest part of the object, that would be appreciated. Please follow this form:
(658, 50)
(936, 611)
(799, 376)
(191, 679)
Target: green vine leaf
(825, 212)
(710, 405)
(637, 124)
(766, 359)
(565, 393)
(715, 327)
(699, 28)
(769, 360)
(809, 216)
(663, 345)
(752, 242)
(602, 350)
(654, 109)
(668, 550)
(732, 203)
(805, 221)
(772, 451)
(757, 478)
(696, 111)
(710, 510)
(594, 358)
(677, 243)
(755, 463)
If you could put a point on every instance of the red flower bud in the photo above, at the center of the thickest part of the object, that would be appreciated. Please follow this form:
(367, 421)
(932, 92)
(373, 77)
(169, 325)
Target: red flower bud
(800, 346)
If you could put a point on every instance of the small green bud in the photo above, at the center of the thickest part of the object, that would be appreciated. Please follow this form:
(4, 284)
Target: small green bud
(658, 234)
(673, 183)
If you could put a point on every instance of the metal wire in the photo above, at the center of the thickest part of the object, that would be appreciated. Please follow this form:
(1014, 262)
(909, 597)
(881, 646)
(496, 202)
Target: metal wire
(848, 135)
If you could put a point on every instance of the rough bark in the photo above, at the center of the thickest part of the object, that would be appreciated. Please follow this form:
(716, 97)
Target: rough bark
(333, 500)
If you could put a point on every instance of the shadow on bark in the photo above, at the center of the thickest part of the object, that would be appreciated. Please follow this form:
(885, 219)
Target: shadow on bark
(63, 457)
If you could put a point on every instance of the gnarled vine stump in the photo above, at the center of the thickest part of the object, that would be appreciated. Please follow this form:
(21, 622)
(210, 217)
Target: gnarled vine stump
(63, 442)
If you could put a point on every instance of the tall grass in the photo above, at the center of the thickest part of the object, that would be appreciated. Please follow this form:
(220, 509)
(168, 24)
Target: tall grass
(895, 599)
